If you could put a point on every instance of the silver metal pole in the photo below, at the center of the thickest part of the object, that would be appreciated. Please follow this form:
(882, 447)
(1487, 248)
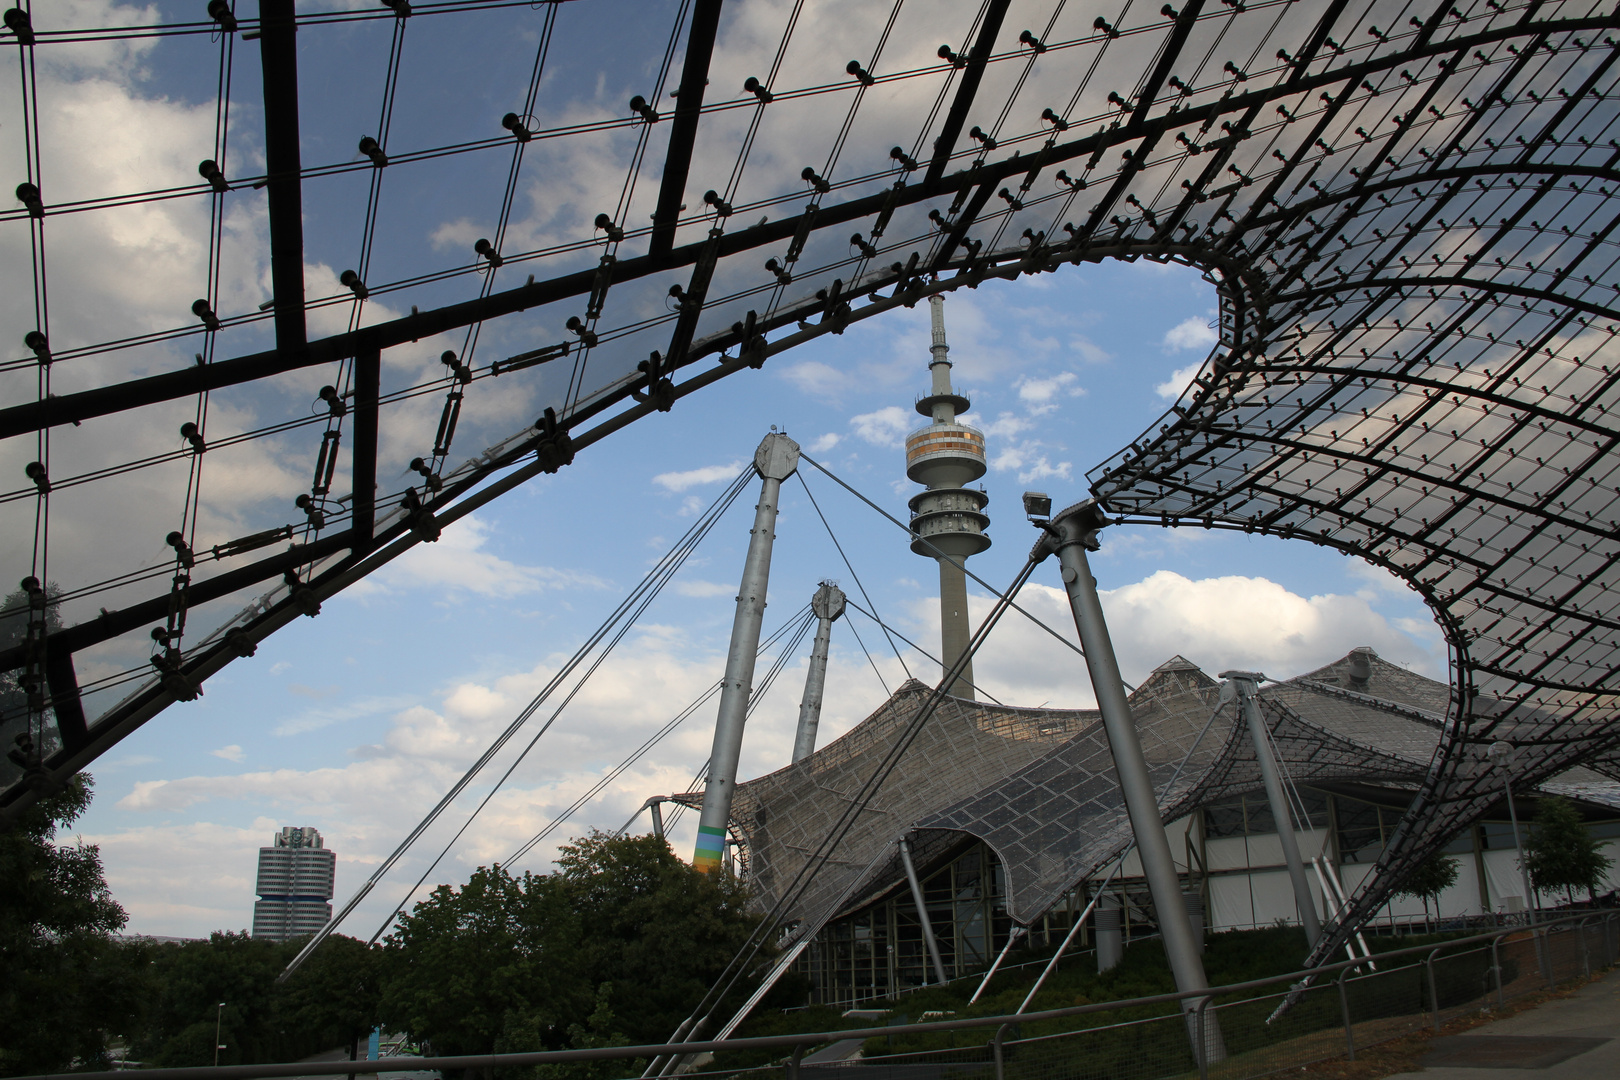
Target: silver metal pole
(775, 461)
(1502, 754)
(1247, 682)
(922, 911)
(1073, 532)
(1074, 929)
(827, 605)
(1518, 842)
(656, 806)
(1012, 939)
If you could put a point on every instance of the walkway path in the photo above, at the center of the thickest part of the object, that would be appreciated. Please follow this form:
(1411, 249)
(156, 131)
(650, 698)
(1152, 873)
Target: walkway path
(1573, 1038)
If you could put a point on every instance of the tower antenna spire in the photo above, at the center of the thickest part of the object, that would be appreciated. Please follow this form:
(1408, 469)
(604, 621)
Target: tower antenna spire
(949, 517)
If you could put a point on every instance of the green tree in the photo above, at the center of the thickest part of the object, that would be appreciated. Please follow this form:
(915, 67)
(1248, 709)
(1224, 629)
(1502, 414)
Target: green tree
(657, 930)
(228, 980)
(1428, 880)
(335, 996)
(64, 985)
(467, 963)
(1561, 853)
(598, 1030)
(614, 948)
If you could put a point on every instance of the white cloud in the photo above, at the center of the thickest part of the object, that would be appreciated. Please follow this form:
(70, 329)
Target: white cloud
(1218, 623)
(886, 427)
(1005, 426)
(1178, 381)
(708, 474)
(229, 753)
(1194, 333)
(826, 442)
(1088, 350)
(458, 561)
(702, 589)
(366, 801)
(326, 716)
(1025, 459)
(816, 379)
(1039, 394)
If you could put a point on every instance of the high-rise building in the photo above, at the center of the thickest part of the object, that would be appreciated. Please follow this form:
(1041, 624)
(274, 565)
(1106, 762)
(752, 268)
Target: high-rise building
(948, 519)
(295, 886)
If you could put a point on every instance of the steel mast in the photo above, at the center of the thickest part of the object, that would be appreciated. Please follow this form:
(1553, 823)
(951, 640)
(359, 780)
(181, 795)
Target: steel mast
(774, 461)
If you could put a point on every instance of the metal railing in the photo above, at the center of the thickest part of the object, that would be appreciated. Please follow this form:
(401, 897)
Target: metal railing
(1336, 1010)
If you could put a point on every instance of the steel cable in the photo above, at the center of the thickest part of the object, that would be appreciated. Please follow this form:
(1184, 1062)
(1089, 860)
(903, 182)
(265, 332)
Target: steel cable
(681, 550)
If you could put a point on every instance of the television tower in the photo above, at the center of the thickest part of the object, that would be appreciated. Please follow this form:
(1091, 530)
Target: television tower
(949, 517)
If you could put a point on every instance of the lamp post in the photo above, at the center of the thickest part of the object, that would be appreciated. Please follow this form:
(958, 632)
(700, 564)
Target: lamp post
(219, 1015)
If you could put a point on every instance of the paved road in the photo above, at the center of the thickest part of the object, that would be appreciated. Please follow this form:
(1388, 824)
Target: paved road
(1583, 1030)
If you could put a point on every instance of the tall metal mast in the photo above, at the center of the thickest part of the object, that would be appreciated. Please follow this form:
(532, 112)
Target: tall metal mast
(949, 517)
(1072, 533)
(828, 605)
(1246, 683)
(774, 461)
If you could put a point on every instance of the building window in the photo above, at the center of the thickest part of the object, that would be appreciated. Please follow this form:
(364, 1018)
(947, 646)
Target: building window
(1361, 832)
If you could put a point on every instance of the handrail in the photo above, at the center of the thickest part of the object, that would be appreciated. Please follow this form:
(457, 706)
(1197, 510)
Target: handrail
(762, 1042)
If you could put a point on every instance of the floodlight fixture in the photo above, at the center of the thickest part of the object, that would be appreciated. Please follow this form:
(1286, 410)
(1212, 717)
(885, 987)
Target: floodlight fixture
(1037, 505)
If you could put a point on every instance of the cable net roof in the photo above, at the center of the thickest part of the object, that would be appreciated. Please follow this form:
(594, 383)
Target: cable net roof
(1408, 212)
(1043, 793)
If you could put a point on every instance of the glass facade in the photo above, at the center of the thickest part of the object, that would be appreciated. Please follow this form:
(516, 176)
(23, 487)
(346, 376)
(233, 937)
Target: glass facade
(880, 950)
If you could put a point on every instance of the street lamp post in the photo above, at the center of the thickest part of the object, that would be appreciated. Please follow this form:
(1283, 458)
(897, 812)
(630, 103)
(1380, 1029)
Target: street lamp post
(219, 1015)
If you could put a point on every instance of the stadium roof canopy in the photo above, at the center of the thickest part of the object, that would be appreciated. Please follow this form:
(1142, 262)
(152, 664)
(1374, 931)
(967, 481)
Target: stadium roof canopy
(1408, 211)
(1038, 785)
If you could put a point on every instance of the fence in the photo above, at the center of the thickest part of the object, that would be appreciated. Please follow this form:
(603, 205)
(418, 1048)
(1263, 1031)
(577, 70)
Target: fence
(1247, 1029)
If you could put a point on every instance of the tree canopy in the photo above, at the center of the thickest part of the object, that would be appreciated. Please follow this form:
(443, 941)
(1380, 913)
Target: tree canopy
(62, 981)
(1428, 880)
(230, 980)
(616, 945)
(1561, 854)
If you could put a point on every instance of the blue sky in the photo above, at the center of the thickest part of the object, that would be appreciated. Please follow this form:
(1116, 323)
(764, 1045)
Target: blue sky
(357, 721)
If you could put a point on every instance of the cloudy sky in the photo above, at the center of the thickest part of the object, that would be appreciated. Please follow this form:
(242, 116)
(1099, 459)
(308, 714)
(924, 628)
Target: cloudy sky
(356, 722)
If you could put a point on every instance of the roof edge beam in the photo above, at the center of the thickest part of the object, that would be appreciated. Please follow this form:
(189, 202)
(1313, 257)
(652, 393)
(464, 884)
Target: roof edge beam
(683, 129)
(278, 50)
(967, 90)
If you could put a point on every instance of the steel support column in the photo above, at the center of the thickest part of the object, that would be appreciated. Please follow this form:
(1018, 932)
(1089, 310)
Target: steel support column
(827, 605)
(922, 911)
(774, 461)
(1072, 533)
(1246, 683)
